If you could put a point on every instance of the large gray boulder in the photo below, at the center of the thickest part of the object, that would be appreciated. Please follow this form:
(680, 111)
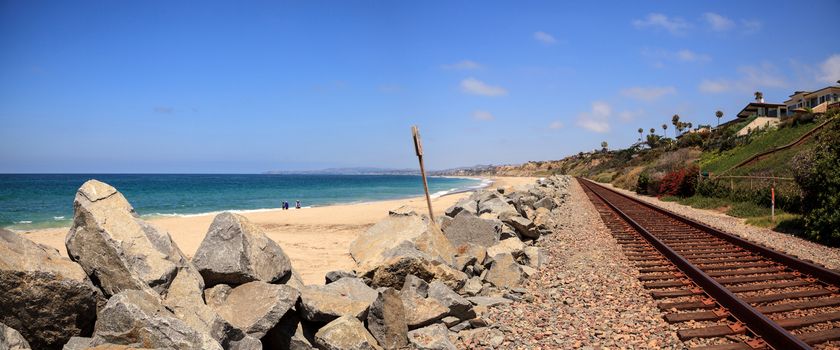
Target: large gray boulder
(420, 310)
(504, 272)
(256, 307)
(117, 249)
(467, 228)
(469, 205)
(45, 296)
(523, 226)
(386, 320)
(345, 333)
(396, 234)
(184, 299)
(392, 272)
(10, 339)
(434, 337)
(345, 297)
(458, 306)
(137, 318)
(496, 206)
(235, 251)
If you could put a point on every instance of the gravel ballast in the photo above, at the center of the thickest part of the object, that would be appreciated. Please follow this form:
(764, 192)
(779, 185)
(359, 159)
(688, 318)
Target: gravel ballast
(798, 247)
(586, 297)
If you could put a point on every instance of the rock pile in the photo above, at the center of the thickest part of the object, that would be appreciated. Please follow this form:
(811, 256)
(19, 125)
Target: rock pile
(419, 283)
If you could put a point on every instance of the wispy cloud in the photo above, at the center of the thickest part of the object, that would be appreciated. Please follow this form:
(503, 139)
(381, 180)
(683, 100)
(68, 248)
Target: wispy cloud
(648, 93)
(164, 110)
(628, 116)
(673, 25)
(686, 55)
(751, 26)
(463, 65)
(830, 70)
(477, 87)
(718, 22)
(597, 119)
(545, 38)
(555, 125)
(659, 57)
(483, 116)
(751, 78)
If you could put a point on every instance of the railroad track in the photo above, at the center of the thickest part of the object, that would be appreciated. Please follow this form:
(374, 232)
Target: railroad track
(721, 291)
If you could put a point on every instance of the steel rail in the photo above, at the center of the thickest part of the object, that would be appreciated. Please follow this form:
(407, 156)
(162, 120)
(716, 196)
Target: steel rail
(769, 331)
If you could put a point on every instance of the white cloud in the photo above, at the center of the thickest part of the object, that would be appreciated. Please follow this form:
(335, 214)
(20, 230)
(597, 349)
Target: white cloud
(545, 38)
(627, 116)
(751, 78)
(751, 26)
(597, 119)
(674, 25)
(483, 116)
(830, 70)
(463, 65)
(555, 125)
(686, 55)
(648, 93)
(717, 22)
(478, 87)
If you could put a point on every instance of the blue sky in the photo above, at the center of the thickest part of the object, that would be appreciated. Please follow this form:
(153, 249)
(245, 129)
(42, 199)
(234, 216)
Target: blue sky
(164, 86)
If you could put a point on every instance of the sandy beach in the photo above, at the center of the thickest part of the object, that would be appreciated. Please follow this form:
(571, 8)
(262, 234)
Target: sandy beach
(316, 239)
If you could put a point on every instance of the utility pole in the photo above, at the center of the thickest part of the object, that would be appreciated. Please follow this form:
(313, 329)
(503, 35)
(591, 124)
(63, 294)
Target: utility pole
(418, 148)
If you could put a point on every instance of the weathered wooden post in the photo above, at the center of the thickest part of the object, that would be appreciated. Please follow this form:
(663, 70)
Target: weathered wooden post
(418, 148)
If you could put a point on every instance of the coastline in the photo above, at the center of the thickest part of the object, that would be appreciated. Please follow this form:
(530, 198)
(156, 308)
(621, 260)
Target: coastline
(316, 239)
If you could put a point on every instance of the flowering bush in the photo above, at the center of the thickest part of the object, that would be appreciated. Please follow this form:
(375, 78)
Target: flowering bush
(679, 182)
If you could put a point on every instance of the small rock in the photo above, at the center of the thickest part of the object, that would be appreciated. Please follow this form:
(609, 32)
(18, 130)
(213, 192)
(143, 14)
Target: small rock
(458, 306)
(336, 275)
(434, 337)
(10, 339)
(345, 333)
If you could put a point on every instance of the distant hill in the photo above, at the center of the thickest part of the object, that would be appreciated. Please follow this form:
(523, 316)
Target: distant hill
(348, 171)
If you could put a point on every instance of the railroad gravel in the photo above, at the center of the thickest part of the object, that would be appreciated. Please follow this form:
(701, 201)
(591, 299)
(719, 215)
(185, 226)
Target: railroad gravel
(587, 296)
(801, 248)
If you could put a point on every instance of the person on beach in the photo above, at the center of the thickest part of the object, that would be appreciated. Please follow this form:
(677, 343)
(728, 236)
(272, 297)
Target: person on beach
(297, 204)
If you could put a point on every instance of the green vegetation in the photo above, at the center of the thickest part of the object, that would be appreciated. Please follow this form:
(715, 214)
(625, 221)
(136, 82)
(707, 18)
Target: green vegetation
(818, 175)
(714, 162)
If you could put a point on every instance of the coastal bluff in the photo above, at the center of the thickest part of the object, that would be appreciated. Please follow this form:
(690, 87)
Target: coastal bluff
(417, 283)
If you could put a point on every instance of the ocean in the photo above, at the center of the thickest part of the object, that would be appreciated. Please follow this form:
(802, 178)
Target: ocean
(33, 201)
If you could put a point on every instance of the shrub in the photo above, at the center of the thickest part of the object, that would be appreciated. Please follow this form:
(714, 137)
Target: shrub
(818, 175)
(681, 182)
(643, 183)
(690, 140)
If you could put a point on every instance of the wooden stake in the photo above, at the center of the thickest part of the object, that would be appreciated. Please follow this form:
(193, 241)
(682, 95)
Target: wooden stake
(418, 148)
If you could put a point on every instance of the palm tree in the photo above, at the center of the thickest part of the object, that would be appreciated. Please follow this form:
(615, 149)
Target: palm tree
(759, 96)
(719, 114)
(652, 130)
(641, 131)
(604, 145)
(676, 121)
(689, 125)
(665, 129)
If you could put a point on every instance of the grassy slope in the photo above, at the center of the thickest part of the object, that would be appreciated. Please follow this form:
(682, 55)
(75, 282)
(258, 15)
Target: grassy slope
(717, 162)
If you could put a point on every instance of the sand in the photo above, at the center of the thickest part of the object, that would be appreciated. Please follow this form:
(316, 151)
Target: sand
(315, 239)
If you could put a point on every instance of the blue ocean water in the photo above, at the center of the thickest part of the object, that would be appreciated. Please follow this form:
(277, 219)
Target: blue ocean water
(31, 201)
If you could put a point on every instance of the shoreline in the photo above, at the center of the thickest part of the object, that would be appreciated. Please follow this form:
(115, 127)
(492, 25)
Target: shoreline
(316, 239)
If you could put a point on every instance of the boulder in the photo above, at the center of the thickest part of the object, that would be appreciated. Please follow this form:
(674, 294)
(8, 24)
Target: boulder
(345, 333)
(510, 246)
(496, 206)
(345, 297)
(523, 226)
(184, 299)
(137, 318)
(45, 296)
(467, 228)
(216, 295)
(336, 275)
(544, 221)
(488, 301)
(546, 203)
(386, 320)
(504, 272)
(469, 205)
(392, 272)
(255, 307)
(472, 287)
(114, 247)
(421, 311)
(415, 285)
(10, 339)
(532, 257)
(235, 251)
(77, 343)
(291, 333)
(483, 338)
(457, 305)
(398, 235)
(434, 337)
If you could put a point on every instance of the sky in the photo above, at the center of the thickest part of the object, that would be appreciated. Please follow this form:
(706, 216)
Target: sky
(245, 87)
